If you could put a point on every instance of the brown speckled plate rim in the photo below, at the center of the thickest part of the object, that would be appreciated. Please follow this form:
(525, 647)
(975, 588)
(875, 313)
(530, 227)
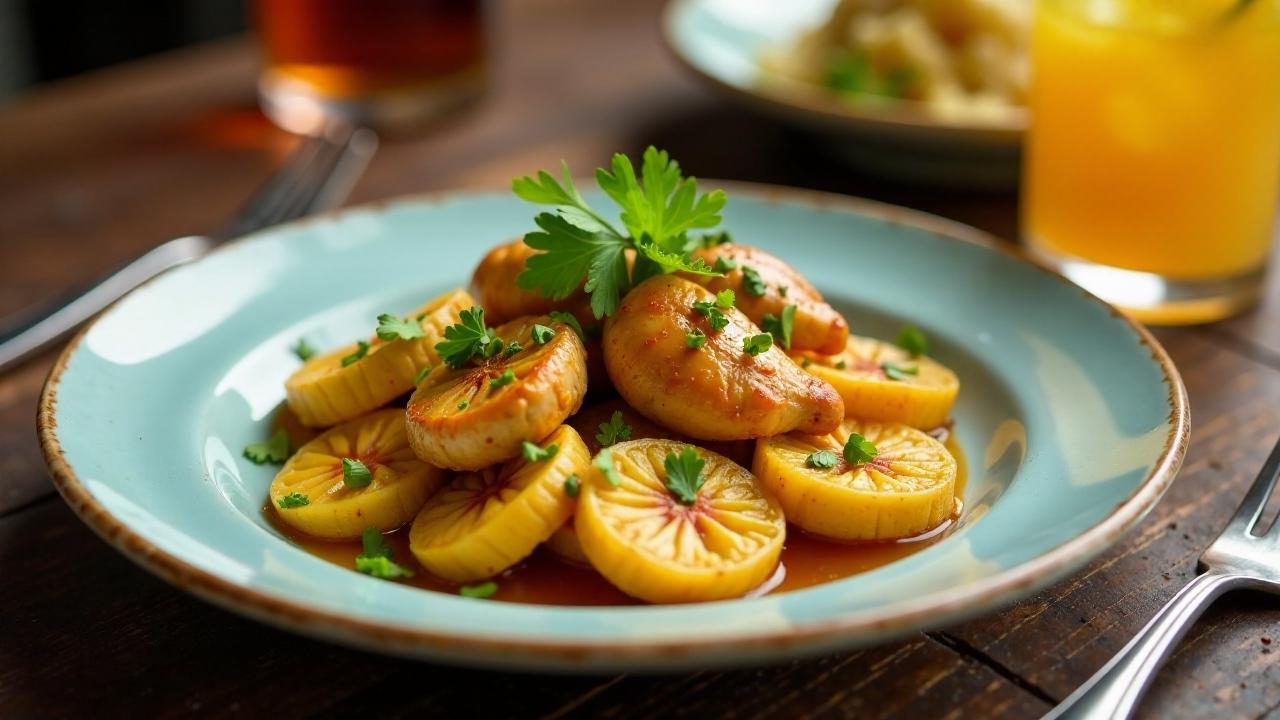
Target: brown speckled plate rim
(853, 630)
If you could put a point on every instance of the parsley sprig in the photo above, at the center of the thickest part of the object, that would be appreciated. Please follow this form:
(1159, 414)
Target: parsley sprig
(467, 339)
(614, 431)
(859, 450)
(684, 474)
(658, 209)
(274, 451)
(391, 328)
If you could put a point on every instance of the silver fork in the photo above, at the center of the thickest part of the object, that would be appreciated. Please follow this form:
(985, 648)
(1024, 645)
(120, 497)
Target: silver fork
(1238, 558)
(317, 175)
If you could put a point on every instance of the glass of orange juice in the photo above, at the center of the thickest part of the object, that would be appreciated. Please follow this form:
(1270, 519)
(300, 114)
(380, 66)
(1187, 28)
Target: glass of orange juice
(1153, 160)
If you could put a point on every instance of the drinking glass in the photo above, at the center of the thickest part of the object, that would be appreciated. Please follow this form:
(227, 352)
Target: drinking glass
(1153, 158)
(389, 64)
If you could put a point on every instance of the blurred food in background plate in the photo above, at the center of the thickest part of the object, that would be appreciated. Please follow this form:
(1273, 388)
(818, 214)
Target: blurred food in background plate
(962, 59)
(927, 91)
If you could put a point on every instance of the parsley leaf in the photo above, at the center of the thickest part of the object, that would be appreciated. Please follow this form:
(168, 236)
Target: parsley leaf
(275, 450)
(513, 348)
(362, 349)
(293, 500)
(572, 486)
(507, 377)
(898, 372)
(752, 284)
(695, 339)
(355, 474)
(708, 310)
(463, 405)
(723, 264)
(391, 327)
(858, 450)
(422, 375)
(684, 474)
(782, 290)
(671, 260)
(821, 459)
(780, 328)
(661, 204)
(303, 350)
(604, 463)
(711, 240)
(568, 201)
(543, 334)
(726, 298)
(913, 341)
(842, 364)
(753, 345)
(376, 558)
(532, 453)
(483, 590)
(561, 316)
(466, 339)
(570, 253)
(614, 431)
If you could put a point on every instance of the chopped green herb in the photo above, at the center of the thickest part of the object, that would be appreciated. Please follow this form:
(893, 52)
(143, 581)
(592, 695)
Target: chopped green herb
(713, 315)
(724, 264)
(604, 463)
(711, 240)
(532, 453)
(753, 345)
(362, 349)
(466, 339)
(494, 348)
(543, 334)
(782, 290)
(422, 375)
(507, 377)
(821, 459)
(572, 486)
(293, 500)
(659, 208)
(726, 298)
(569, 319)
(376, 559)
(898, 372)
(614, 431)
(391, 328)
(513, 348)
(463, 405)
(780, 328)
(806, 361)
(913, 341)
(841, 364)
(752, 284)
(355, 474)
(481, 591)
(695, 339)
(275, 450)
(303, 350)
(684, 474)
(858, 450)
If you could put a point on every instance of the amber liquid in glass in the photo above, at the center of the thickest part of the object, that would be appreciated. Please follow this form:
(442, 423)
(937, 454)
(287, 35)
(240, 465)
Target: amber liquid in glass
(386, 63)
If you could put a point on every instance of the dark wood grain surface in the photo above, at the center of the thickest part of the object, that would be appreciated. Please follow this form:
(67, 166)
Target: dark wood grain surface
(97, 169)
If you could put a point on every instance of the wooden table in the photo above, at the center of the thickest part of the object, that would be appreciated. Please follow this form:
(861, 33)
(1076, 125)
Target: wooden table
(95, 170)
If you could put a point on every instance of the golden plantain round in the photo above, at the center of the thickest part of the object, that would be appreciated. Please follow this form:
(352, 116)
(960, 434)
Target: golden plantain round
(650, 545)
(401, 482)
(906, 489)
(489, 520)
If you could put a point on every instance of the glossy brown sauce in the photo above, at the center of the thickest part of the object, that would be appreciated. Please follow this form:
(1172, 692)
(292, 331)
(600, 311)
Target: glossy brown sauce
(544, 579)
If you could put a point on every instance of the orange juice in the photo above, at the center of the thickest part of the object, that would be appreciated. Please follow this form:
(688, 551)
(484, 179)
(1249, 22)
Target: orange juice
(1155, 139)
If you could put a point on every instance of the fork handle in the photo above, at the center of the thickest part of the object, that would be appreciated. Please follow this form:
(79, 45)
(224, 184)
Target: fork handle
(47, 325)
(1113, 692)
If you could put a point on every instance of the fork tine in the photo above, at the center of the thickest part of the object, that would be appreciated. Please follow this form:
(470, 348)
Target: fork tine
(1255, 502)
(279, 186)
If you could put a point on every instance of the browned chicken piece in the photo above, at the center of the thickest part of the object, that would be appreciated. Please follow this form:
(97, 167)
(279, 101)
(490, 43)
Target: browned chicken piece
(717, 391)
(494, 285)
(818, 327)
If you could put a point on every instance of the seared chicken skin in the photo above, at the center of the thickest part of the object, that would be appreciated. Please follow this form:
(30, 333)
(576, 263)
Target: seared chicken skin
(479, 415)
(717, 391)
(818, 327)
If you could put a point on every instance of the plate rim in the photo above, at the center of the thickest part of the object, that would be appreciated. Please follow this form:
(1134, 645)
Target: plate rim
(494, 650)
(834, 114)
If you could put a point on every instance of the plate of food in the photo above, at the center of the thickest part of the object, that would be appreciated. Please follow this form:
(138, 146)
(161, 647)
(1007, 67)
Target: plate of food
(929, 92)
(660, 429)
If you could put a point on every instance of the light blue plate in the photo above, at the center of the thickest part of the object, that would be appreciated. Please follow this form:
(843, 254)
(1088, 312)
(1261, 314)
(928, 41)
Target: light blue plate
(1072, 418)
(722, 42)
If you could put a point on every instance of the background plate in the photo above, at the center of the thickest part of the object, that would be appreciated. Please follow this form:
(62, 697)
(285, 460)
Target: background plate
(1072, 419)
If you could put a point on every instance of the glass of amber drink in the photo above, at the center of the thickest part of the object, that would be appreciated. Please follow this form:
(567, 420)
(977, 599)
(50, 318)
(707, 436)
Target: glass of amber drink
(389, 64)
(1153, 160)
